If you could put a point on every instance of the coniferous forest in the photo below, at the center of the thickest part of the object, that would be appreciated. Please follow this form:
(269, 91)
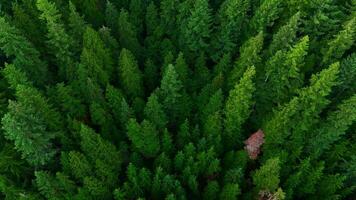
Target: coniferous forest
(177, 99)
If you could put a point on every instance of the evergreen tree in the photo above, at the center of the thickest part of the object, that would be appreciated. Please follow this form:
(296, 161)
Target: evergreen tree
(154, 112)
(229, 191)
(231, 20)
(284, 73)
(238, 108)
(32, 124)
(341, 43)
(127, 34)
(197, 32)
(111, 16)
(95, 58)
(249, 56)
(267, 177)
(306, 107)
(59, 42)
(286, 35)
(334, 126)
(144, 137)
(171, 95)
(26, 57)
(130, 74)
(265, 15)
(77, 26)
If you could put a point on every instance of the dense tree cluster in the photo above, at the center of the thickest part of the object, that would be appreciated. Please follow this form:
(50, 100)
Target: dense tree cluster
(148, 99)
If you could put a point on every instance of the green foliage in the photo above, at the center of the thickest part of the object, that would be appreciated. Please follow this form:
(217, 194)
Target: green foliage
(24, 54)
(249, 56)
(130, 75)
(267, 177)
(197, 32)
(59, 42)
(32, 124)
(238, 108)
(141, 99)
(144, 137)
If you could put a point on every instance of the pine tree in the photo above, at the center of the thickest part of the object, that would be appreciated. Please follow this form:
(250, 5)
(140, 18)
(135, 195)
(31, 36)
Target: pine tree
(231, 20)
(299, 114)
(127, 34)
(59, 42)
(137, 11)
(267, 176)
(341, 43)
(151, 18)
(32, 124)
(14, 76)
(168, 16)
(144, 137)
(183, 70)
(77, 27)
(111, 16)
(130, 74)
(286, 35)
(265, 15)
(249, 56)
(26, 57)
(171, 95)
(284, 72)
(238, 108)
(229, 191)
(59, 187)
(334, 127)
(95, 58)
(211, 190)
(197, 32)
(154, 112)
(121, 110)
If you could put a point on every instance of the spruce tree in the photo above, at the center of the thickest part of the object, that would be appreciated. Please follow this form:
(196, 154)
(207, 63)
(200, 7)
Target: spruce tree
(249, 56)
(144, 137)
(25, 56)
(130, 74)
(59, 42)
(305, 107)
(154, 112)
(197, 32)
(286, 35)
(341, 43)
(238, 108)
(95, 58)
(265, 15)
(32, 124)
(231, 19)
(127, 34)
(267, 177)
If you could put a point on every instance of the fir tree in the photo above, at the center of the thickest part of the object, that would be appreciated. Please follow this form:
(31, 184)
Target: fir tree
(127, 34)
(154, 112)
(32, 124)
(265, 15)
(238, 108)
(249, 56)
(286, 35)
(197, 32)
(342, 42)
(306, 107)
(130, 74)
(26, 57)
(144, 137)
(59, 42)
(95, 58)
(231, 19)
(267, 177)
